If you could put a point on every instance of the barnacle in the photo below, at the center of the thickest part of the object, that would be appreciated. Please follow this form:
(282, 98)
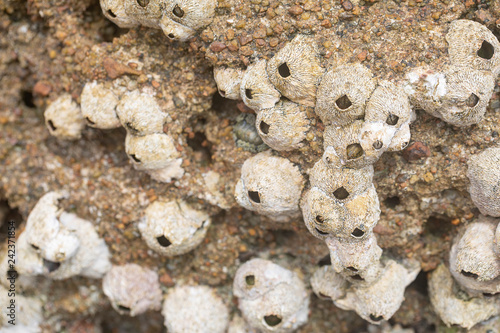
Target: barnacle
(64, 119)
(115, 11)
(343, 93)
(228, 81)
(194, 309)
(154, 151)
(173, 228)
(284, 126)
(328, 284)
(98, 104)
(256, 91)
(344, 142)
(295, 70)
(271, 298)
(194, 14)
(132, 289)
(484, 176)
(246, 135)
(270, 186)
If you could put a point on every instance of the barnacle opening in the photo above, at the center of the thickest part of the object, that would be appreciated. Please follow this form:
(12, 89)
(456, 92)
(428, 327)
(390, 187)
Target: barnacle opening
(36, 248)
(51, 265)
(135, 158)
(284, 70)
(248, 93)
(377, 144)
(357, 233)
(250, 280)
(178, 11)
(222, 93)
(357, 277)
(352, 269)
(324, 296)
(51, 124)
(124, 308)
(343, 102)
(163, 241)
(254, 196)
(272, 320)
(320, 219)
(341, 193)
(131, 128)
(469, 274)
(354, 151)
(264, 127)
(321, 232)
(110, 13)
(375, 317)
(89, 121)
(171, 36)
(143, 3)
(472, 100)
(392, 119)
(486, 51)
(325, 261)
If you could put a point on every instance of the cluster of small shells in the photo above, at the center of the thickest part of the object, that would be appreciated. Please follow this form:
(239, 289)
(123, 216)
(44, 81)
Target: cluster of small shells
(178, 19)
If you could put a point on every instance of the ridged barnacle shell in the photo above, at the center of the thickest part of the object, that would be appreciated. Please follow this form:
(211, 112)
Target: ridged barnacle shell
(140, 114)
(114, 10)
(340, 182)
(154, 151)
(256, 91)
(328, 284)
(380, 300)
(474, 262)
(295, 70)
(270, 186)
(471, 44)
(175, 30)
(484, 176)
(228, 81)
(343, 143)
(194, 14)
(401, 138)
(271, 298)
(98, 103)
(146, 12)
(343, 93)
(63, 118)
(356, 260)
(451, 306)
(246, 135)
(132, 289)
(173, 228)
(459, 95)
(327, 216)
(284, 126)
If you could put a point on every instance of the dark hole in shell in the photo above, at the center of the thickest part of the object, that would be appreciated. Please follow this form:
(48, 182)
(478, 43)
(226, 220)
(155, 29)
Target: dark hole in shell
(486, 51)
(392, 119)
(264, 127)
(250, 280)
(51, 125)
(171, 36)
(341, 193)
(254, 196)
(358, 233)
(321, 232)
(51, 265)
(352, 269)
(343, 102)
(143, 3)
(272, 320)
(222, 93)
(284, 70)
(178, 11)
(320, 219)
(354, 151)
(248, 93)
(377, 144)
(124, 308)
(357, 277)
(110, 13)
(469, 274)
(324, 296)
(472, 100)
(135, 158)
(163, 241)
(376, 318)
(89, 121)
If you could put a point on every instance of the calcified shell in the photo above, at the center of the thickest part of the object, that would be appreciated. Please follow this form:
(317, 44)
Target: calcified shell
(471, 44)
(194, 14)
(98, 103)
(484, 176)
(114, 10)
(343, 93)
(270, 186)
(132, 289)
(64, 119)
(284, 126)
(173, 228)
(154, 151)
(344, 142)
(174, 30)
(328, 284)
(256, 90)
(228, 81)
(450, 305)
(295, 70)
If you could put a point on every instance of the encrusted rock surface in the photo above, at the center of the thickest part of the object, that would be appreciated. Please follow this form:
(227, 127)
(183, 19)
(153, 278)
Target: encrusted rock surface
(50, 49)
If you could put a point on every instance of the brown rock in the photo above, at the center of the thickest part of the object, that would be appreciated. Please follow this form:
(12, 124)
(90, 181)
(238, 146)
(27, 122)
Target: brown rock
(42, 88)
(295, 10)
(416, 151)
(116, 69)
(347, 5)
(217, 46)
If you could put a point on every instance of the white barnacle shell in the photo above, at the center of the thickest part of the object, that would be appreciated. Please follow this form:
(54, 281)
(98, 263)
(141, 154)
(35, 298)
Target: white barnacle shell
(295, 70)
(471, 44)
(452, 308)
(140, 114)
(328, 284)
(484, 176)
(474, 263)
(114, 10)
(340, 182)
(459, 95)
(353, 217)
(132, 289)
(379, 300)
(145, 12)
(284, 126)
(174, 30)
(194, 14)
(271, 298)
(401, 138)
(195, 309)
(343, 93)
(98, 104)
(343, 143)
(256, 91)
(270, 186)
(64, 119)
(154, 151)
(228, 81)
(173, 228)
(358, 261)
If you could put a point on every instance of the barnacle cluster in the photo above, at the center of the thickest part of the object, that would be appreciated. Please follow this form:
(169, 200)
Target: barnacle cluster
(178, 19)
